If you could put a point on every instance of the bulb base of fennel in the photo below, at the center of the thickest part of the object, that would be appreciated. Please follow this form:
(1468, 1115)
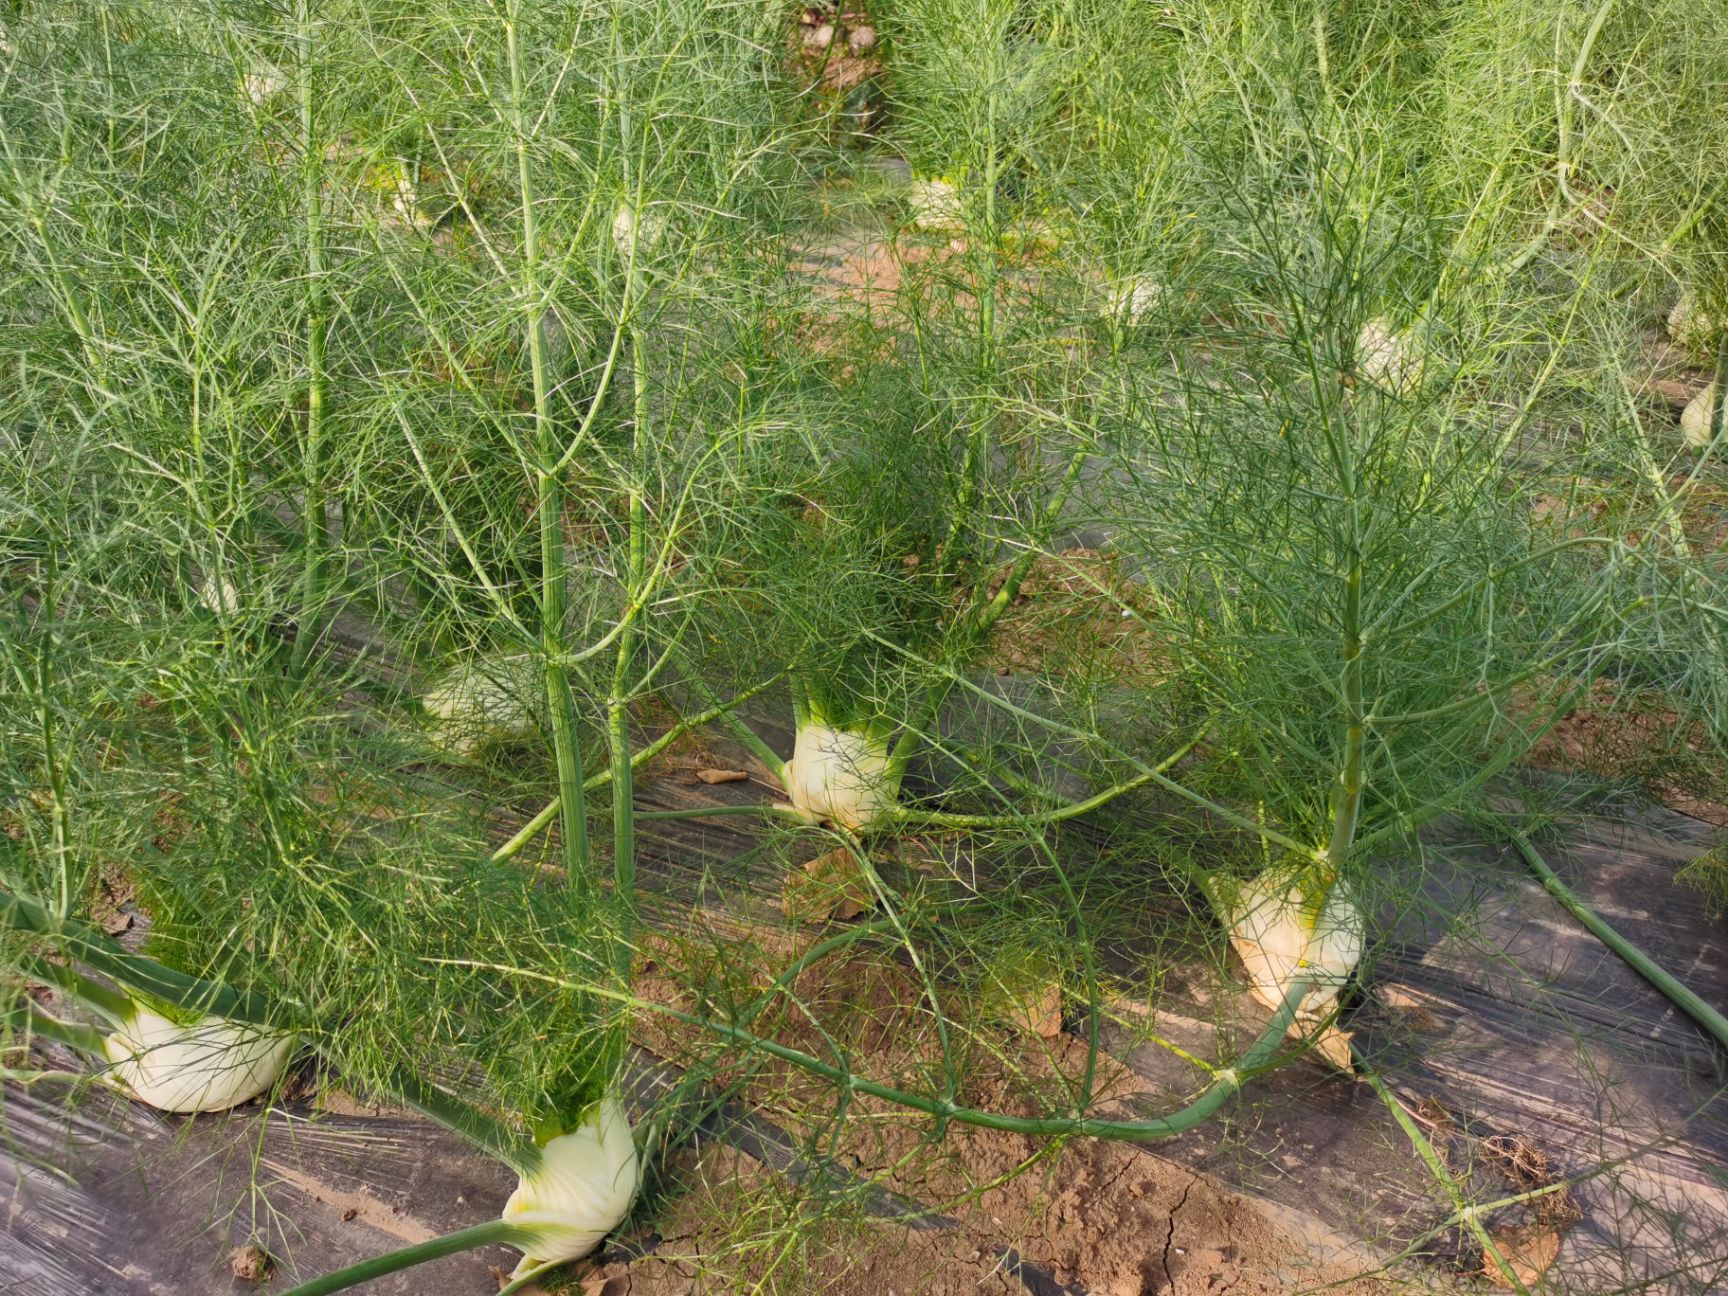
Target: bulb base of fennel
(208, 1066)
(842, 776)
(481, 704)
(1282, 928)
(583, 1189)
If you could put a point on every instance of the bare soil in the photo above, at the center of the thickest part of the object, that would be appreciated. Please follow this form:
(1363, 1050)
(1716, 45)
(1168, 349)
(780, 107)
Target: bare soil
(1098, 1218)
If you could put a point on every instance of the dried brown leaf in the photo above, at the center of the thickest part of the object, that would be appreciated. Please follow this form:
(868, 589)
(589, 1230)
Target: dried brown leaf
(1529, 1249)
(1334, 1045)
(712, 776)
(1037, 1011)
(833, 886)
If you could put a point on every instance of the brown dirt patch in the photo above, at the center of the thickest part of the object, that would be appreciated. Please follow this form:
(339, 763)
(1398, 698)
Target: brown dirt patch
(1639, 737)
(1103, 1219)
(1077, 603)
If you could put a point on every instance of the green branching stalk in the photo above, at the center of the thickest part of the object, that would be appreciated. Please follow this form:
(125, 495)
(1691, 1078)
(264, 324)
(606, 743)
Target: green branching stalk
(636, 594)
(59, 809)
(688, 724)
(316, 518)
(1347, 798)
(1564, 161)
(1151, 774)
(1226, 1082)
(1436, 1165)
(549, 502)
(727, 714)
(1058, 814)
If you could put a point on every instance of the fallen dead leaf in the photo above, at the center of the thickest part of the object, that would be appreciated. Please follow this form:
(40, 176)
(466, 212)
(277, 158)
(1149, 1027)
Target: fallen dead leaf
(1037, 1011)
(1529, 1249)
(605, 1282)
(721, 775)
(1408, 1006)
(832, 887)
(1333, 1044)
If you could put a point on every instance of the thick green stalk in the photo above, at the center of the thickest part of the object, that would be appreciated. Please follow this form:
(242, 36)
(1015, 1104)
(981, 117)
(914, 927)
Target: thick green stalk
(987, 290)
(60, 813)
(618, 705)
(1681, 996)
(980, 619)
(1347, 799)
(718, 711)
(1226, 1082)
(491, 1233)
(726, 713)
(97, 998)
(134, 971)
(28, 1019)
(317, 518)
(549, 502)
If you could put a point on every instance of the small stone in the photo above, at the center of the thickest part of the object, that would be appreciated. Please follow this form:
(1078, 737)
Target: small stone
(862, 39)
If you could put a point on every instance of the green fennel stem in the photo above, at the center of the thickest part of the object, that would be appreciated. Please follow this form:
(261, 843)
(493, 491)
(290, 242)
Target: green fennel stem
(111, 1005)
(1347, 800)
(1153, 776)
(491, 1233)
(28, 1019)
(1227, 1081)
(720, 710)
(1676, 991)
(316, 533)
(1437, 1168)
(1072, 810)
(550, 505)
(618, 705)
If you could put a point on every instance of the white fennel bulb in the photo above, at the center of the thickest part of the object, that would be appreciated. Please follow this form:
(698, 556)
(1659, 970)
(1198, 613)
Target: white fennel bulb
(219, 596)
(1697, 420)
(1282, 932)
(841, 775)
(935, 204)
(1388, 357)
(1694, 328)
(263, 83)
(641, 231)
(1134, 298)
(211, 1065)
(483, 703)
(581, 1191)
